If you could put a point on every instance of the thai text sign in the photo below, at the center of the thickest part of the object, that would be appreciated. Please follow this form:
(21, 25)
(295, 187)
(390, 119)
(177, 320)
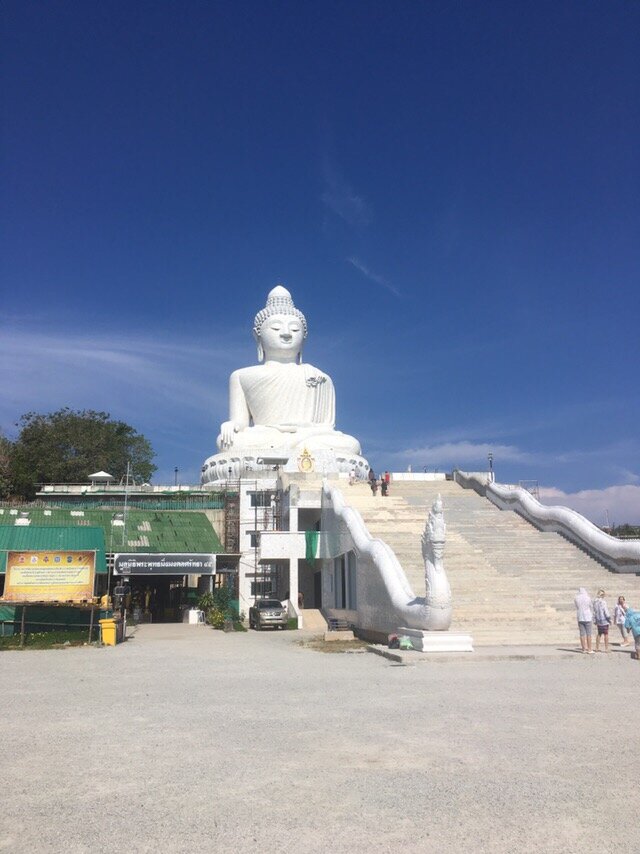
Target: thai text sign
(49, 576)
(164, 564)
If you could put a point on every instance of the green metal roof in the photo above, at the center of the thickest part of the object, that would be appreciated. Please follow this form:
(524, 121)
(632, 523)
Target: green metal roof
(159, 531)
(15, 538)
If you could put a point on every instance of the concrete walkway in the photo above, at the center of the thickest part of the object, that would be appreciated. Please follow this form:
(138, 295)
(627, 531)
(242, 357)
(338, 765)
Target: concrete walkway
(186, 739)
(498, 653)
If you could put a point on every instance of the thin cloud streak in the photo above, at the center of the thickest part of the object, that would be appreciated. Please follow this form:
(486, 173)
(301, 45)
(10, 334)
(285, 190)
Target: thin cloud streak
(136, 378)
(374, 277)
(451, 454)
(340, 199)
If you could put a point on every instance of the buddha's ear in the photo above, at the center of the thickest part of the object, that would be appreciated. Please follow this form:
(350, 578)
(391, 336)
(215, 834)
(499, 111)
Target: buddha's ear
(260, 351)
(299, 357)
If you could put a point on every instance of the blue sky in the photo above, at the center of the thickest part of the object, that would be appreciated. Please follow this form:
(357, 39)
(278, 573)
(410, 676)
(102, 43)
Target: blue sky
(449, 189)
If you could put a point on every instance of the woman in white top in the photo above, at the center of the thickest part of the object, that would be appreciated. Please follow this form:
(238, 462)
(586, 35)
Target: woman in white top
(585, 619)
(619, 616)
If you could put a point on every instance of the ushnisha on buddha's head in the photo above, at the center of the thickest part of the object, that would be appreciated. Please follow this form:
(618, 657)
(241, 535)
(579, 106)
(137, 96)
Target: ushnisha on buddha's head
(280, 329)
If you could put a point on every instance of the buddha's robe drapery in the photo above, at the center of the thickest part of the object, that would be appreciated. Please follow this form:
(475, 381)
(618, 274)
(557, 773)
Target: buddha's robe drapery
(288, 406)
(289, 395)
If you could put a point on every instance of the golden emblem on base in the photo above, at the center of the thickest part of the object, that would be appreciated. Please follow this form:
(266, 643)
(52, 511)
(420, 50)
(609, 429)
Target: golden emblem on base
(306, 463)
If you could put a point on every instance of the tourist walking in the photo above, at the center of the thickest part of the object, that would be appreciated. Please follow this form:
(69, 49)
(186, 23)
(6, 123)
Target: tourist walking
(584, 613)
(603, 620)
(632, 622)
(384, 486)
(373, 481)
(352, 476)
(619, 616)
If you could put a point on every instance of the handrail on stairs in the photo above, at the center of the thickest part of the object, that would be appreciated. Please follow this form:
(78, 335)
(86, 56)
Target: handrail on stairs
(617, 555)
(408, 609)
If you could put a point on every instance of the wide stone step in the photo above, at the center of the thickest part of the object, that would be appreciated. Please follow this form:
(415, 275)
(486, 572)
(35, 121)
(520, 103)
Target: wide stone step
(511, 583)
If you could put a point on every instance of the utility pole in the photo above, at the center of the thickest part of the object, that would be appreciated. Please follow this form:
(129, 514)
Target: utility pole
(126, 502)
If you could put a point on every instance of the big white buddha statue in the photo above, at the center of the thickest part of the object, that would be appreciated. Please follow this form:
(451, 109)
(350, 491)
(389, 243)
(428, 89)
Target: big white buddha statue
(282, 407)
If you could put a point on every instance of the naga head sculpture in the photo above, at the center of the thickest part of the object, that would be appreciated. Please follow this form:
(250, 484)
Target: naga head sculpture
(435, 530)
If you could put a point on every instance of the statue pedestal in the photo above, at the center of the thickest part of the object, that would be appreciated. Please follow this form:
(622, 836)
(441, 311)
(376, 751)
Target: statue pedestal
(438, 641)
(230, 465)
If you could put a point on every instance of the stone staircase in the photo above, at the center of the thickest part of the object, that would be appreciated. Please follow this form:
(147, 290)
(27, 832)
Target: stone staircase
(511, 584)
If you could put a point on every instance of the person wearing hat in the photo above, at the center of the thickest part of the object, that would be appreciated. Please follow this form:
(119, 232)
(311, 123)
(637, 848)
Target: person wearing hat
(603, 620)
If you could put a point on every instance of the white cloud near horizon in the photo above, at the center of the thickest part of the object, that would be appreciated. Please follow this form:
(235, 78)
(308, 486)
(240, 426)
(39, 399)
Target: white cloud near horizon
(374, 277)
(621, 502)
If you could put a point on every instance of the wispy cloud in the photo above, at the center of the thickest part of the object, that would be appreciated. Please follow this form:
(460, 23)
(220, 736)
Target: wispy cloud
(340, 198)
(374, 277)
(620, 503)
(146, 380)
(451, 454)
(626, 475)
(626, 448)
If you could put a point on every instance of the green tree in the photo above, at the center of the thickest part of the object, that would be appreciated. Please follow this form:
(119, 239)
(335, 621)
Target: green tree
(6, 449)
(67, 446)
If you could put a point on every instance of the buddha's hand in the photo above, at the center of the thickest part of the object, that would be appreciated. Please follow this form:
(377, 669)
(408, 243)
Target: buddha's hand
(227, 432)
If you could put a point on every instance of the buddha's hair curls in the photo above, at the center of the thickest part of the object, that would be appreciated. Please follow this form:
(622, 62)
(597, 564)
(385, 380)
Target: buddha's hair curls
(279, 301)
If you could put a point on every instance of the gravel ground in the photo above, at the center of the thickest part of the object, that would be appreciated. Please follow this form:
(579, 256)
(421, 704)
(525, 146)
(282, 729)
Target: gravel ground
(185, 739)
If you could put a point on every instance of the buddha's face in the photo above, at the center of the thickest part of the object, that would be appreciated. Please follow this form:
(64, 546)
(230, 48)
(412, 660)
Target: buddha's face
(281, 336)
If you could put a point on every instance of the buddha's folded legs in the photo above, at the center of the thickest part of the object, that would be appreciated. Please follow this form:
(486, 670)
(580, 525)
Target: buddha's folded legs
(261, 438)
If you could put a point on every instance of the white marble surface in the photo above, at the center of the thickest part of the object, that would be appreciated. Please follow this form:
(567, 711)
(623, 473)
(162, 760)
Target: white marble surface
(281, 407)
(385, 597)
(618, 555)
(438, 604)
(425, 641)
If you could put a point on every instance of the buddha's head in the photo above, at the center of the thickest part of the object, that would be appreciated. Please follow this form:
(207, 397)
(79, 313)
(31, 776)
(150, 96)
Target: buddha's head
(280, 328)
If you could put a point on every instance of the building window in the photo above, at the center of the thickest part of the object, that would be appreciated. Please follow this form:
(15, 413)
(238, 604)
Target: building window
(263, 588)
(344, 572)
(351, 581)
(261, 499)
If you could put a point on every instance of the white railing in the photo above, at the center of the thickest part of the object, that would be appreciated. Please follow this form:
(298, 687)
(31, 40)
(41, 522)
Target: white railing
(617, 555)
(113, 488)
(389, 602)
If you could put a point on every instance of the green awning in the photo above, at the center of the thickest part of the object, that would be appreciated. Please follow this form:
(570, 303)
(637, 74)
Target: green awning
(17, 538)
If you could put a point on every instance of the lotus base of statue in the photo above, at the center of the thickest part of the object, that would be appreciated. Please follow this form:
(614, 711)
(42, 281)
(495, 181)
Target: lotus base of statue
(222, 467)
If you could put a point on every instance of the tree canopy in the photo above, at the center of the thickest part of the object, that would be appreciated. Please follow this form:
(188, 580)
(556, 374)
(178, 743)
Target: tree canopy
(67, 446)
(5, 466)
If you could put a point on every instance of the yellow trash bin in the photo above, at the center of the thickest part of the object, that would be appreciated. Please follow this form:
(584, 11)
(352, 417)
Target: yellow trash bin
(108, 630)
